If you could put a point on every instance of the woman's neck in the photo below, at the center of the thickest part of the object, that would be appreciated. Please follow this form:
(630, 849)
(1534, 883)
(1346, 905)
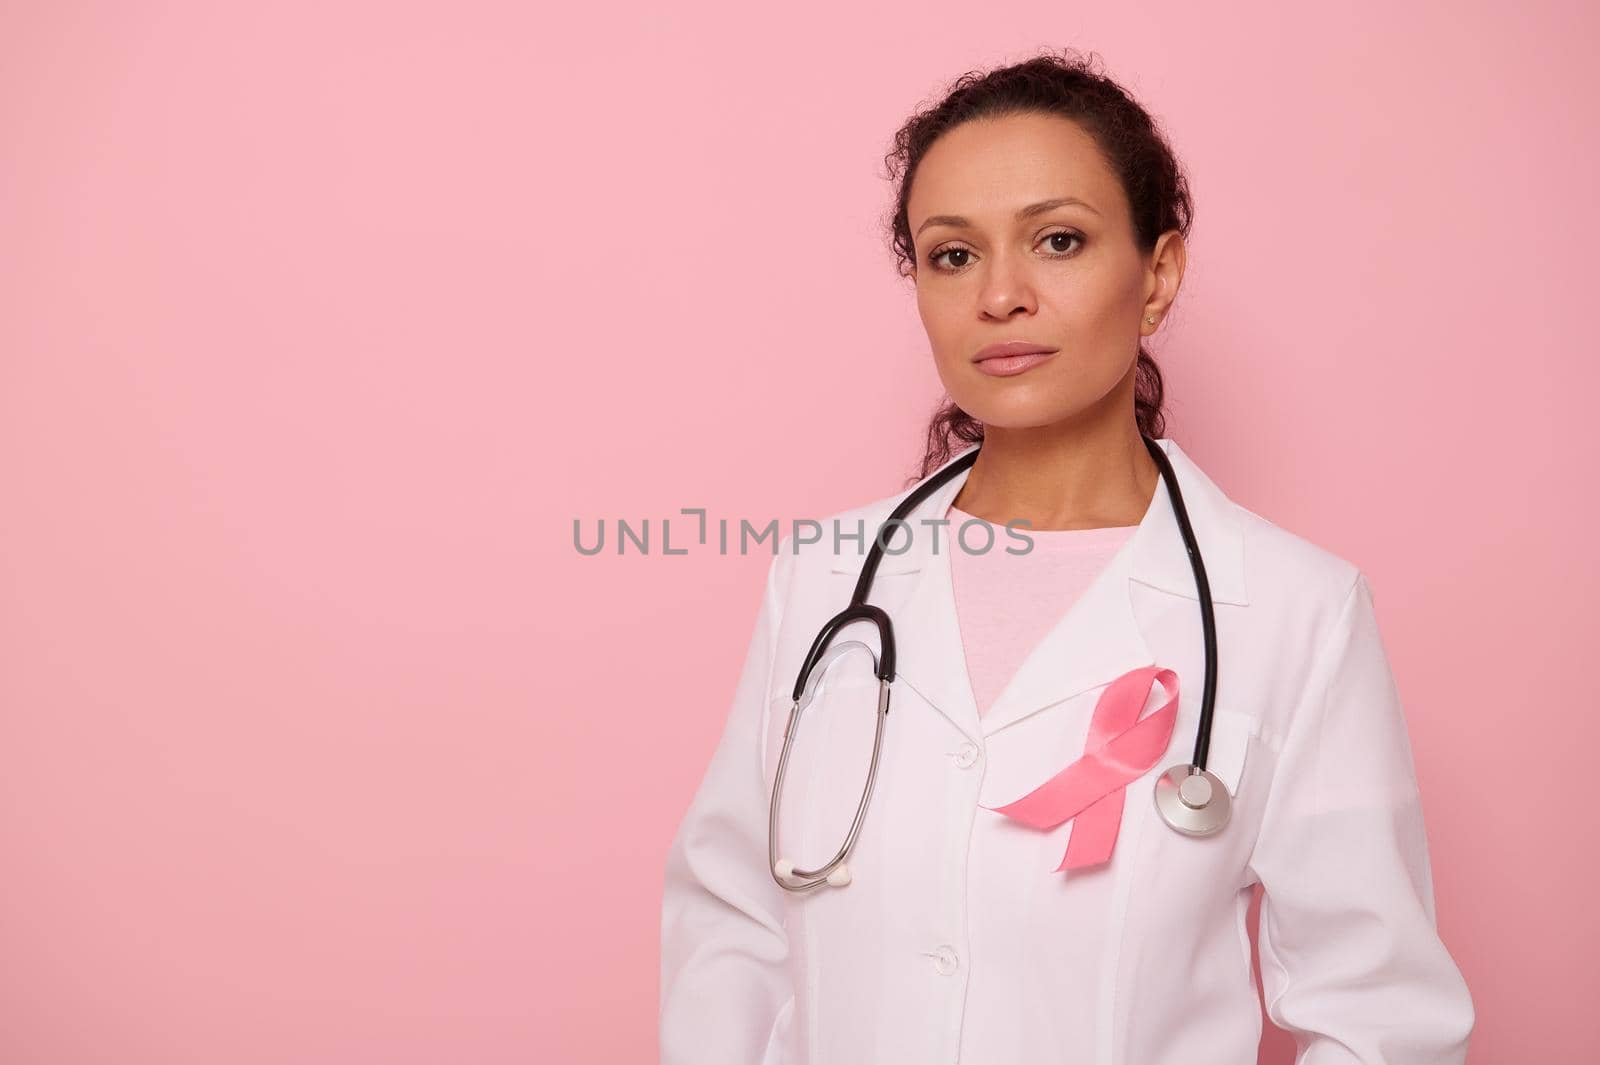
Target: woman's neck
(1061, 477)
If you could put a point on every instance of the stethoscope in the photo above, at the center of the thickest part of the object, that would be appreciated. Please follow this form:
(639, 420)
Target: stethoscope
(1190, 799)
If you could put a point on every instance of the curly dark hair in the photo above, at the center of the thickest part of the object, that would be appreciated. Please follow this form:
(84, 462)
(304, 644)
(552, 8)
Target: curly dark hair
(1065, 84)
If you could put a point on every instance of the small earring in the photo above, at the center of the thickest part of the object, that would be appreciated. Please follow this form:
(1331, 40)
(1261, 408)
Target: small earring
(1150, 319)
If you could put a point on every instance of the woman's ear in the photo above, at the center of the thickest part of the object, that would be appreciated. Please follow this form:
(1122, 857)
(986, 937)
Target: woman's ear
(1167, 261)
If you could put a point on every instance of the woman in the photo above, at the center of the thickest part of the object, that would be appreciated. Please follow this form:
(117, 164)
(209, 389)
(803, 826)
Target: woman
(1038, 207)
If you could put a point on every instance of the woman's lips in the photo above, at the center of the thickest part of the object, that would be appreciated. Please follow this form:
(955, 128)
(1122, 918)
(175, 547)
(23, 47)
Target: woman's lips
(1011, 365)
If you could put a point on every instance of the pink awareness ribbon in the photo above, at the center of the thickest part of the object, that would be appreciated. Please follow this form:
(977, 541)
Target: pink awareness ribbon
(1121, 747)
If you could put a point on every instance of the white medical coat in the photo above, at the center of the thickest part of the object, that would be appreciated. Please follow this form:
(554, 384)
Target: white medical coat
(957, 941)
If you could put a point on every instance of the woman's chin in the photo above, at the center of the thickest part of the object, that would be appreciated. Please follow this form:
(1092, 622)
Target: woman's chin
(1017, 415)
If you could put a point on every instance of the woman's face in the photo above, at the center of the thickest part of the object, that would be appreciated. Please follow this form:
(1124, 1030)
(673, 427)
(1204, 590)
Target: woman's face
(1001, 258)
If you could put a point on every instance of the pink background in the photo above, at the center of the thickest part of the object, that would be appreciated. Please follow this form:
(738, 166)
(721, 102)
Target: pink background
(320, 324)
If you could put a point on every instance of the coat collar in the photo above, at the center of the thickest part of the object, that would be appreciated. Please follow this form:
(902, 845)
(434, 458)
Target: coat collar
(1095, 641)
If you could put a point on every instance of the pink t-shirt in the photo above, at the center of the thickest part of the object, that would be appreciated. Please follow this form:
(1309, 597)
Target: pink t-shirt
(1007, 602)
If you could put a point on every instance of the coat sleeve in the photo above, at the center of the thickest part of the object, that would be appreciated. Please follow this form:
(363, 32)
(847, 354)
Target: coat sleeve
(724, 949)
(1351, 962)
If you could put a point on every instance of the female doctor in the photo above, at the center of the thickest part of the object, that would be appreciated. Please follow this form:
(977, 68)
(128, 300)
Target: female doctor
(1043, 872)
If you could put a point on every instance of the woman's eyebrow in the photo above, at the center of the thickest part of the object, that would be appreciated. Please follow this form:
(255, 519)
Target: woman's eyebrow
(1026, 212)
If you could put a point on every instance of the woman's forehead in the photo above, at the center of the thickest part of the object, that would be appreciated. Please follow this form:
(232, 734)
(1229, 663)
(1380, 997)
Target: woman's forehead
(987, 170)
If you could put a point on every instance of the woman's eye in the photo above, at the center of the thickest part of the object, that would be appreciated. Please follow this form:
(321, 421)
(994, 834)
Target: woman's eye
(1064, 236)
(936, 256)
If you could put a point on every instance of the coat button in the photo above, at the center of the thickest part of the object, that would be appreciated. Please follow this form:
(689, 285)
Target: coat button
(967, 755)
(944, 960)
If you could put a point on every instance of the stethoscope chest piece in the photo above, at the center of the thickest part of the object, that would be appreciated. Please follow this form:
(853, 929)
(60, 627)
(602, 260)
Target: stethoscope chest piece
(1193, 801)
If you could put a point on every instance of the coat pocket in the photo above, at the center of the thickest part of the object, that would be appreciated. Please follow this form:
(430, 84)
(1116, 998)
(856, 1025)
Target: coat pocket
(1229, 752)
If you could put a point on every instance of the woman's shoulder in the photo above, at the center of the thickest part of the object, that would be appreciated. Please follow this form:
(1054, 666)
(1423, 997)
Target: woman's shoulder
(839, 541)
(1291, 577)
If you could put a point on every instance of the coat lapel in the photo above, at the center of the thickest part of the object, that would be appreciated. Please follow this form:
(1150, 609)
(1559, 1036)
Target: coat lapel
(1095, 641)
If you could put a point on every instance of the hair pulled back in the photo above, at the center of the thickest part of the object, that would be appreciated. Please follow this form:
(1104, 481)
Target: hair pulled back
(1065, 84)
